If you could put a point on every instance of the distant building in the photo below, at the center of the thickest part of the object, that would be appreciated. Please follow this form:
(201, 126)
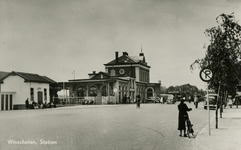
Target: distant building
(124, 78)
(16, 87)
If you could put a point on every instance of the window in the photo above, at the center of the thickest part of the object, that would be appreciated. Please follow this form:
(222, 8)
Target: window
(45, 94)
(32, 94)
(112, 72)
(149, 93)
(93, 91)
(80, 92)
(80, 89)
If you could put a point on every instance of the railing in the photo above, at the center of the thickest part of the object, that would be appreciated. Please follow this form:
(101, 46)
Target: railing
(87, 100)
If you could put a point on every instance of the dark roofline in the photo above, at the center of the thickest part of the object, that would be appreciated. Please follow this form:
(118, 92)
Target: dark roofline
(93, 80)
(3, 75)
(50, 80)
(127, 64)
(36, 78)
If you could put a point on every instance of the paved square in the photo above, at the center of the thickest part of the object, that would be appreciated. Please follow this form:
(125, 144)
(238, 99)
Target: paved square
(109, 127)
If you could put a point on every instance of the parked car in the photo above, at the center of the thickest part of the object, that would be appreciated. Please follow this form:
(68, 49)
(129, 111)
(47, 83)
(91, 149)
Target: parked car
(151, 100)
(168, 98)
(158, 99)
(212, 101)
(170, 101)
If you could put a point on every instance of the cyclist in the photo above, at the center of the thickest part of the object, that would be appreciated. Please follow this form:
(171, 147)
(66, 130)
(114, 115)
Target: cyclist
(183, 115)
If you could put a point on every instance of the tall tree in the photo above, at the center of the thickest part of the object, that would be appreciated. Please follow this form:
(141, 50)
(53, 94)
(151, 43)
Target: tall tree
(222, 55)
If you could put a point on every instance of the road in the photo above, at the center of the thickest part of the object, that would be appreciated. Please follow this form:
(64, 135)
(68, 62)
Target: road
(116, 127)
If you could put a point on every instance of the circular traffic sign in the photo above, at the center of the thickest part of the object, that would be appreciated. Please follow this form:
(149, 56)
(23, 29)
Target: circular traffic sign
(206, 74)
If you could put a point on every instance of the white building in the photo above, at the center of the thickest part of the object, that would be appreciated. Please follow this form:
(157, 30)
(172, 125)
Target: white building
(16, 87)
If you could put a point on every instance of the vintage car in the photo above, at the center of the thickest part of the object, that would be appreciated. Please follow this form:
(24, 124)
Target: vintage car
(151, 100)
(168, 98)
(212, 101)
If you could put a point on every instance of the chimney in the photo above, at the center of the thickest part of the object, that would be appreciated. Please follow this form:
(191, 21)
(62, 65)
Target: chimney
(93, 72)
(125, 53)
(116, 57)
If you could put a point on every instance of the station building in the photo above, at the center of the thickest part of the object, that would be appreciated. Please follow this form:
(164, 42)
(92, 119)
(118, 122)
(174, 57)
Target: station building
(16, 87)
(124, 77)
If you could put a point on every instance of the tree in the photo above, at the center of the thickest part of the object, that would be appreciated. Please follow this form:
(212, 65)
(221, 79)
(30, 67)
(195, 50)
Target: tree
(222, 56)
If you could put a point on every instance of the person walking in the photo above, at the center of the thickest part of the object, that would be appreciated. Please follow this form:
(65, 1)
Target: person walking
(161, 100)
(27, 104)
(138, 101)
(183, 115)
(196, 101)
(125, 99)
(230, 102)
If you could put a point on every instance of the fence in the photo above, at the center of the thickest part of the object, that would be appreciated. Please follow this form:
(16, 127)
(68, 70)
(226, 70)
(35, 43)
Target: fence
(87, 100)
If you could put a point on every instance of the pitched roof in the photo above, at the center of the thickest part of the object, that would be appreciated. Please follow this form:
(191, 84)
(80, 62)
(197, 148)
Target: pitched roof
(122, 59)
(125, 59)
(97, 76)
(3, 74)
(29, 77)
(50, 80)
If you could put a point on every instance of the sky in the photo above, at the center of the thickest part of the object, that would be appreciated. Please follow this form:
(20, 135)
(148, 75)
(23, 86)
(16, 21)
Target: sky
(56, 37)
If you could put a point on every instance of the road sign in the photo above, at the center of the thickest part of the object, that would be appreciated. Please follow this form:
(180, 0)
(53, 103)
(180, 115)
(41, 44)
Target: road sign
(206, 74)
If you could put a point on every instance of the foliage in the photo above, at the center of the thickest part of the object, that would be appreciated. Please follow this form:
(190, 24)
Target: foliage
(223, 53)
(185, 89)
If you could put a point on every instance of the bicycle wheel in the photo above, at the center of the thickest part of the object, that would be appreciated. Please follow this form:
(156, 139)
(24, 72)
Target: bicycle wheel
(188, 128)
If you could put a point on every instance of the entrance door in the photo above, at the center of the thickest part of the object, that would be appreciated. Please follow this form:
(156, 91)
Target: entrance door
(11, 102)
(6, 107)
(120, 99)
(2, 102)
(40, 97)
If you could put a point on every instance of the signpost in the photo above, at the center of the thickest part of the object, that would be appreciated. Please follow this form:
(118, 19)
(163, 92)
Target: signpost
(206, 75)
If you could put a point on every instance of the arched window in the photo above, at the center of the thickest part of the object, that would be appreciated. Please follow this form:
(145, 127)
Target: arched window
(93, 91)
(149, 93)
(80, 92)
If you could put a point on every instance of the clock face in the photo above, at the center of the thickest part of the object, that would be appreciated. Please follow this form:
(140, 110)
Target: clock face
(121, 71)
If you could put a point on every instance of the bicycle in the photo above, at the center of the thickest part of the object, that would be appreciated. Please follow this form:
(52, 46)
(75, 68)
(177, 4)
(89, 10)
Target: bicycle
(189, 126)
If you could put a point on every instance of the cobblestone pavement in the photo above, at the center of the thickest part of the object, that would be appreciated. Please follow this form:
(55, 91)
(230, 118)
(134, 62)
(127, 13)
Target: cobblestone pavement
(111, 127)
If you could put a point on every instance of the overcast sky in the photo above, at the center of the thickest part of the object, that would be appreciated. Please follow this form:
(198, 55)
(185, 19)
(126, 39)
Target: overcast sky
(56, 37)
